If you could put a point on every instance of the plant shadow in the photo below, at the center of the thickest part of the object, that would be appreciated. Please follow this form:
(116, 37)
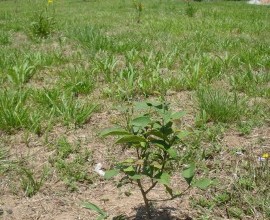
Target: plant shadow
(162, 213)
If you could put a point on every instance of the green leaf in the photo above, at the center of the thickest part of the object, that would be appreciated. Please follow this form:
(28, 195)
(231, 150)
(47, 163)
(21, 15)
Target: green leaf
(164, 179)
(155, 104)
(188, 173)
(141, 121)
(203, 183)
(177, 115)
(130, 139)
(172, 152)
(141, 106)
(136, 177)
(110, 174)
(156, 133)
(95, 208)
(129, 169)
(128, 161)
(113, 131)
(160, 143)
(156, 165)
(182, 134)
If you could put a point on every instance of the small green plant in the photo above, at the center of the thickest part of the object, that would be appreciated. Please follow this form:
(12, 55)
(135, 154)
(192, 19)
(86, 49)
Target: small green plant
(69, 162)
(70, 110)
(102, 214)
(139, 8)
(190, 10)
(30, 184)
(155, 144)
(21, 74)
(4, 38)
(220, 106)
(77, 81)
(15, 114)
(44, 24)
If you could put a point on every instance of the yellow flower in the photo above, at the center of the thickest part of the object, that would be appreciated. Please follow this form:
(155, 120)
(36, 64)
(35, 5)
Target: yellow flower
(50, 1)
(265, 155)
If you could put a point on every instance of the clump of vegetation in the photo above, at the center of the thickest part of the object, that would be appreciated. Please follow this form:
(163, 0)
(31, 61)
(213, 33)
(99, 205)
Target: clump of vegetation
(190, 10)
(139, 8)
(31, 184)
(43, 24)
(70, 161)
(220, 106)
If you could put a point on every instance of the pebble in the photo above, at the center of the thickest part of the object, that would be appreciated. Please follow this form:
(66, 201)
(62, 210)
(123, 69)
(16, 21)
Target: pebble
(9, 211)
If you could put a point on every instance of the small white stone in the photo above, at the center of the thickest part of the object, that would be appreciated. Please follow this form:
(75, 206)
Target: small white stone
(99, 170)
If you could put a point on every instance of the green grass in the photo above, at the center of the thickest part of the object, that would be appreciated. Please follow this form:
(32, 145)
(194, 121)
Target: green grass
(58, 62)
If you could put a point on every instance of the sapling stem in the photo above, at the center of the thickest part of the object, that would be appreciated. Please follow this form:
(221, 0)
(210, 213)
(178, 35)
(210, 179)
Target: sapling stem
(146, 201)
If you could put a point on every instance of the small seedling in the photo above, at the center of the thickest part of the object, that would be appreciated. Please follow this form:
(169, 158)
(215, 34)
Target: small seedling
(153, 139)
(139, 8)
(30, 184)
(190, 10)
(44, 24)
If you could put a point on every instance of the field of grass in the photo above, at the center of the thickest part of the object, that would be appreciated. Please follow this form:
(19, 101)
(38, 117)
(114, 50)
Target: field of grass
(72, 68)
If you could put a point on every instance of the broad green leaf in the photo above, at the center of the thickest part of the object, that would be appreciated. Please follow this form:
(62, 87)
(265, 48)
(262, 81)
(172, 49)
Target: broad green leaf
(141, 121)
(136, 177)
(167, 129)
(164, 179)
(156, 165)
(155, 104)
(166, 117)
(93, 207)
(177, 115)
(182, 134)
(113, 131)
(129, 160)
(188, 173)
(129, 169)
(160, 143)
(110, 174)
(172, 152)
(130, 139)
(203, 183)
(141, 106)
(157, 133)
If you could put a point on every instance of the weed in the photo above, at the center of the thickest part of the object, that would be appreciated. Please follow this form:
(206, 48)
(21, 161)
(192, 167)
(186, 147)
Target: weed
(190, 10)
(14, 114)
(77, 81)
(30, 184)
(220, 106)
(21, 74)
(255, 84)
(93, 39)
(70, 163)
(43, 25)
(70, 110)
(139, 8)
(4, 38)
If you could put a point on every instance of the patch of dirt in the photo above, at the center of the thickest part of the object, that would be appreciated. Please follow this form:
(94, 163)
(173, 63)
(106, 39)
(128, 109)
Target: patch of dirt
(55, 201)
(19, 40)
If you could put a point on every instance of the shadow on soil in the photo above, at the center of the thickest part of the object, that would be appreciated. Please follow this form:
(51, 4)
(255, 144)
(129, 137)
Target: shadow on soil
(163, 213)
